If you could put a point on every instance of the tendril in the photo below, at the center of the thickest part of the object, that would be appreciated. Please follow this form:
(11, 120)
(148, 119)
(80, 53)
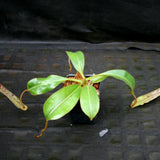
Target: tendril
(70, 66)
(46, 124)
(135, 100)
(26, 90)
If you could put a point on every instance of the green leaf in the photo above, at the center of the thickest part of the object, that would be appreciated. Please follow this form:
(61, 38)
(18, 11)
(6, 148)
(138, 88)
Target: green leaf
(122, 75)
(77, 59)
(61, 102)
(115, 73)
(38, 86)
(89, 101)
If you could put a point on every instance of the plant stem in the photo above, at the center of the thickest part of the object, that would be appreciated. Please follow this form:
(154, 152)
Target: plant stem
(13, 98)
(74, 80)
(83, 76)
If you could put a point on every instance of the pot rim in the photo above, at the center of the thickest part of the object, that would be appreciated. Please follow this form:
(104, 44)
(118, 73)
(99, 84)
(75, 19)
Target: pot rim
(72, 75)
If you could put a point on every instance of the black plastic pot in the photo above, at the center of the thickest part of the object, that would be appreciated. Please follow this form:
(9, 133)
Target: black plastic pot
(76, 114)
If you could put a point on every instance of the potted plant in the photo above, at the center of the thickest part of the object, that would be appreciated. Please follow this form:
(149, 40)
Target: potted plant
(78, 88)
(76, 114)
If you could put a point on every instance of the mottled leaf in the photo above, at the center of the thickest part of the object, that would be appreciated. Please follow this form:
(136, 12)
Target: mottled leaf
(146, 98)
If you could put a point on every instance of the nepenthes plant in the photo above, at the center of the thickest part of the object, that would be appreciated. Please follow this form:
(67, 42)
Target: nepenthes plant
(77, 88)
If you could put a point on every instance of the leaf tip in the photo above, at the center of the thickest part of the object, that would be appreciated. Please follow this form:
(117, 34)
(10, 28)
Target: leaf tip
(91, 118)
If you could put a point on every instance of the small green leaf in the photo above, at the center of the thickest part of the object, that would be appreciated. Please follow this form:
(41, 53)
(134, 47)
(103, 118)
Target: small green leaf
(89, 101)
(115, 73)
(38, 86)
(77, 59)
(61, 102)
